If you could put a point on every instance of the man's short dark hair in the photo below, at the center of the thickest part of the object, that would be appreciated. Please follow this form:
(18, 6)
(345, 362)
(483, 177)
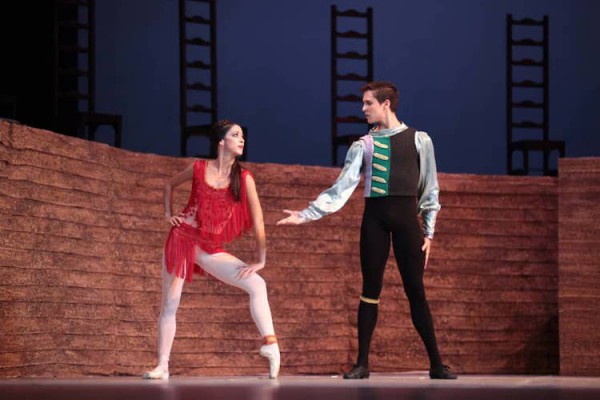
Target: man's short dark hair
(382, 91)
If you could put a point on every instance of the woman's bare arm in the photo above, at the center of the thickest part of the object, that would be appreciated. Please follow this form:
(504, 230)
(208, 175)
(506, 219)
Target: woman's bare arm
(176, 180)
(259, 228)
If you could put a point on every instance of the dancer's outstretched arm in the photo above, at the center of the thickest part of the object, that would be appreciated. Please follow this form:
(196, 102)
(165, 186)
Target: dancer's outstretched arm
(334, 198)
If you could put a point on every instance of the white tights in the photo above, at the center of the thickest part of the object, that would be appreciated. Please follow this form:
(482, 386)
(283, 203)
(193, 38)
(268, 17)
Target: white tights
(224, 267)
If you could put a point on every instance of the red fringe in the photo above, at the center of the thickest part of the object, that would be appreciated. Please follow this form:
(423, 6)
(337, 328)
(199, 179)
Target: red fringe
(180, 253)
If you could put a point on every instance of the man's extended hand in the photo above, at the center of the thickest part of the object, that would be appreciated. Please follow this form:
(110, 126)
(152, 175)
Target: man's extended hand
(293, 218)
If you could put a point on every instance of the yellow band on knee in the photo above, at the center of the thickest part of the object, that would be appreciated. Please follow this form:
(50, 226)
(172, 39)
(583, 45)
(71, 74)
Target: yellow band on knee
(368, 300)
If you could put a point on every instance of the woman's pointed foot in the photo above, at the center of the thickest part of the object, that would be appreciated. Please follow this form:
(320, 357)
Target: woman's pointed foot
(271, 351)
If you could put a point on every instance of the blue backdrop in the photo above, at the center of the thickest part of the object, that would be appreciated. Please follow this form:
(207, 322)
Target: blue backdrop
(447, 57)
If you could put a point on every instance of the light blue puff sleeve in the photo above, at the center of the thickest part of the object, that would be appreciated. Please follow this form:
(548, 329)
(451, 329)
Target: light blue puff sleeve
(334, 198)
(428, 204)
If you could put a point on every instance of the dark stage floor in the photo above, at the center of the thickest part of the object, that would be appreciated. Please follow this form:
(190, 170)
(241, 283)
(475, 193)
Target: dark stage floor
(402, 386)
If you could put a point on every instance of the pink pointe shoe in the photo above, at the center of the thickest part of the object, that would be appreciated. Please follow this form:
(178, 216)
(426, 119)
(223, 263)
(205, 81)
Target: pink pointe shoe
(270, 350)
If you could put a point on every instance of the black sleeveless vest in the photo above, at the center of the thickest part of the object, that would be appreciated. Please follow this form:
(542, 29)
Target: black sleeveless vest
(395, 165)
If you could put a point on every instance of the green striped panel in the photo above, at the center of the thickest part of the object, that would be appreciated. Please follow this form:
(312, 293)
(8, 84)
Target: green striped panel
(381, 167)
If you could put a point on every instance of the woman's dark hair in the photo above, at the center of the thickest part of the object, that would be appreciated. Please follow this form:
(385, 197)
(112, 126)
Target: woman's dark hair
(218, 131)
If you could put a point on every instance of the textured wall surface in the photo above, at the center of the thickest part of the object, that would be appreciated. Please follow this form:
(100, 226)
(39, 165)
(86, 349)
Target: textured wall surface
(579, 270)
(81, 234)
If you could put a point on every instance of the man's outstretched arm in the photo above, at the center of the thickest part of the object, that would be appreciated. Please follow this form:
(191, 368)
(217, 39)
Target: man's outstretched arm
(334, 198)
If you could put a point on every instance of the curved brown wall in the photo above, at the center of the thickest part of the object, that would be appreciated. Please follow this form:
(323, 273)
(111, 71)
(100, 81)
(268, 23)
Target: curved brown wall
(579, 270)
(81, 233)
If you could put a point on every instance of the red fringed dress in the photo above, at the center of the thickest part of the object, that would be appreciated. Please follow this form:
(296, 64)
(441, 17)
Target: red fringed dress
(212, 217)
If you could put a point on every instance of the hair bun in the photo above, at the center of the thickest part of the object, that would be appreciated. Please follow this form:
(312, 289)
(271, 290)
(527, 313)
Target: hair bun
(220, 128)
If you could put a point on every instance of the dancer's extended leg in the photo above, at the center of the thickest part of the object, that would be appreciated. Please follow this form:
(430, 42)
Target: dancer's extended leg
(225, 267)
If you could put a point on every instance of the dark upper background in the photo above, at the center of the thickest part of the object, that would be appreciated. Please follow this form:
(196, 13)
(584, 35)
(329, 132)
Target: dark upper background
(447, 57)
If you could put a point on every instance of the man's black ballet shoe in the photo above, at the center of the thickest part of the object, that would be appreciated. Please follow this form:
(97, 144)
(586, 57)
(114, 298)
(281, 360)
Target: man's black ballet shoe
(441, 372)
(357, 372)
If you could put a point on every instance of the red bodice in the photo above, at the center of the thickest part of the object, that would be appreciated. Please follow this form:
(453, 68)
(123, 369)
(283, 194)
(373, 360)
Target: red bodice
(212, 217)
(218, 217)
